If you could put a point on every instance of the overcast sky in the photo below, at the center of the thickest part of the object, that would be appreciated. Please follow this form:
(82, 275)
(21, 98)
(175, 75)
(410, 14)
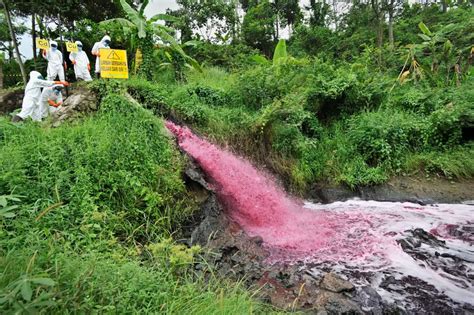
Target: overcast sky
(154, 7)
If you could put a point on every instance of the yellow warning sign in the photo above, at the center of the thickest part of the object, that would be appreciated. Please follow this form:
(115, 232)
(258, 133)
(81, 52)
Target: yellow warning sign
(71, 47)
(113, 63)
(42, 43)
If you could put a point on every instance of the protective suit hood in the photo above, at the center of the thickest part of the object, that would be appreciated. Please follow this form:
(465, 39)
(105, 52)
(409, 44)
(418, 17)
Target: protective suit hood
(34, 75)
(78, 42)
(53, 43)
(106, 37)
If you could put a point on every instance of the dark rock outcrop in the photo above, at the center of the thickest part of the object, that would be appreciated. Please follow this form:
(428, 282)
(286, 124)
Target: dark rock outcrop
(10, 100)
(81, 102)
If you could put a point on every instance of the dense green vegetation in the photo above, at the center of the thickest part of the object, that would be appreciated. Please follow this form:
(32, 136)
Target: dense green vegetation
(312, 121)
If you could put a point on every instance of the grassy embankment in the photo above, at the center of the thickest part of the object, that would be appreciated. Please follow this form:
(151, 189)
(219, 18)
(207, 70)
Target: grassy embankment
(311, 121)
(88, 226)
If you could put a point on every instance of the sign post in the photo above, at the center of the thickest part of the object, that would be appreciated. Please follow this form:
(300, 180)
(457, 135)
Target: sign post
(113, 63)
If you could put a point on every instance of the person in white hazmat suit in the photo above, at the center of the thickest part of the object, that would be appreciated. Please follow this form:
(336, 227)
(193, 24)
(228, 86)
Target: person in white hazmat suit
(104, 43)
(51, 99)
(55, 61)
(81, 63)
(31, 100)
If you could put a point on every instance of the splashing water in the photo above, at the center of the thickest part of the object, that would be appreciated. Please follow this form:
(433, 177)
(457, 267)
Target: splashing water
(349, 235)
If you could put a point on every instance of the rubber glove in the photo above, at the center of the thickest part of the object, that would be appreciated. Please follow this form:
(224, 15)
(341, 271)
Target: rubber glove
(65, 83)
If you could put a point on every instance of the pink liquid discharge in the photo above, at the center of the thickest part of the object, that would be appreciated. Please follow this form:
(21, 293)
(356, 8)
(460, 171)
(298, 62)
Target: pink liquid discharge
(354, 234)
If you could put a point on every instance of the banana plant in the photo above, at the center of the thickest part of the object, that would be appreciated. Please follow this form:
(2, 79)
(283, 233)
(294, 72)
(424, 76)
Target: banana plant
(280, 56)
(440, 48)
(146, 33)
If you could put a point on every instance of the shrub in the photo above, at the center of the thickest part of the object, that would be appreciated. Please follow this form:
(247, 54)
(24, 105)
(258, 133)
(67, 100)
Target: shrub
(384, 136)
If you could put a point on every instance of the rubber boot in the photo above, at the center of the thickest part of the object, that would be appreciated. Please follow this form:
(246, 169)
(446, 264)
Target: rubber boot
(16, 118)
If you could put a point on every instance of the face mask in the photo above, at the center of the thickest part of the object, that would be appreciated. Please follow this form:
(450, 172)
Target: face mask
(79, 48)
(57, 92)
(53, 48)
(107, 43)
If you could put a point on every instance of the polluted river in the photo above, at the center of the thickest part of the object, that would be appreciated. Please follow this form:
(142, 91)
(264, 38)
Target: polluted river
(345, 257)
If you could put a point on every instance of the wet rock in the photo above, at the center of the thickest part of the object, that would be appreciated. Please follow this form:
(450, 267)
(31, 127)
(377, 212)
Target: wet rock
(390, 193)
(210, 226)
(82, 101)
(369, 300)
(336, 303)
(194, 173)
(400, 189)
(332, 194)
(334, 283)
(257, 240)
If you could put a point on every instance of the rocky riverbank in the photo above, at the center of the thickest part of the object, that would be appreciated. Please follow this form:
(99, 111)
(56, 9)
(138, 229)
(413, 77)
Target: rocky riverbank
(327, 288)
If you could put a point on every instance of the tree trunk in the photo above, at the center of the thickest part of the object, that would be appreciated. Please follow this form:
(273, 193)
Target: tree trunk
(277, 26)
(379, 32)
(444, 4)
(376, 7)
(1, 74)
(390, 28)
(10, 51)
(15, 43)
(33, 34)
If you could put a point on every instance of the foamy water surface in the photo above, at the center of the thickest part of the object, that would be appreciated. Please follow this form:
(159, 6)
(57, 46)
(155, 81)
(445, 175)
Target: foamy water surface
(352, 235)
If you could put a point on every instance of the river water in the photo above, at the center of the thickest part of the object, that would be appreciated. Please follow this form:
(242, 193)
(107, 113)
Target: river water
(429, 249)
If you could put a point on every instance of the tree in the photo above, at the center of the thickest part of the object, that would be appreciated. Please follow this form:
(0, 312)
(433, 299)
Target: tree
(377, 9)
(258, 27)
(318, 12)
(143, 32)
(63, 14)
(14, 40)
(210, 20)
(391, 7)
(290, 13)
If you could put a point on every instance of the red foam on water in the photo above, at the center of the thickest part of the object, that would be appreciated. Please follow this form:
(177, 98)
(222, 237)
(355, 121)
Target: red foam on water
(262, 208)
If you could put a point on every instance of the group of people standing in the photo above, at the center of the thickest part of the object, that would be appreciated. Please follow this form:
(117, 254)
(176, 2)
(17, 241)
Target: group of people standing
(44, 96)
(79, 59)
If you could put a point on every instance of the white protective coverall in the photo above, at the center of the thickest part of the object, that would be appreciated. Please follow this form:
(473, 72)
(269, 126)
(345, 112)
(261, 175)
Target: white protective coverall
(96, 51)
(30, 105)
(81, 63)
(50, 99)
(55, 62)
